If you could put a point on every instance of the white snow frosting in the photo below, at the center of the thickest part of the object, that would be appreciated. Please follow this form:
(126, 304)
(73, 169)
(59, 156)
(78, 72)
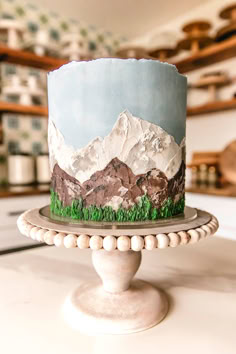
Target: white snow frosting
(139, 144)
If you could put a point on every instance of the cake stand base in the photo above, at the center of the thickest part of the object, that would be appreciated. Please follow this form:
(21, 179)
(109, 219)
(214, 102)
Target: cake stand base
(118, 304)
(91, 309)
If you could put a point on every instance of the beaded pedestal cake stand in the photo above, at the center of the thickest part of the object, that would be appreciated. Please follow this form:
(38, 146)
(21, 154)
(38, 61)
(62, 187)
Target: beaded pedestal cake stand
(118, 304)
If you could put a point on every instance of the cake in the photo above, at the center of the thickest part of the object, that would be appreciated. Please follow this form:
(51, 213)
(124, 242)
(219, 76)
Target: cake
(117, 140)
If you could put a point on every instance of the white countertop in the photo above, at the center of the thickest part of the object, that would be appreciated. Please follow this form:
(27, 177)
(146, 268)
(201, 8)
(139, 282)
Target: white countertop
(200, 280)
(223, 208)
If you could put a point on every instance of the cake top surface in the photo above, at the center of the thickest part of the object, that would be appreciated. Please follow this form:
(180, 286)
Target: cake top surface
(99, 61)
(85, 98)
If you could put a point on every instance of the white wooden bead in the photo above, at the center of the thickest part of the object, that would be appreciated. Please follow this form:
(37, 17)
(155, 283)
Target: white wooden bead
(184, 237)
(194, 236)
(33, 232)
(20, 218)
(215, 220)
(40, 235)
(21, 226)
(27, 229)
(123, 243)
(207, 229)
(216, 224)
(211, 227)
(162, 241)
(212, 223)
(150, 242)
(202, 233)
(174, 239)
(83, 241)
(215, 228)
(109, 243)
(49, 237)
(137, 243)
(20, 222)
(96, 242)
(70, 241)
(59, 239)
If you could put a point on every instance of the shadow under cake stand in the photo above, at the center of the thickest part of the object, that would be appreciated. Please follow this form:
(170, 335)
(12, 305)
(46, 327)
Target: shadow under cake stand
(118, 304)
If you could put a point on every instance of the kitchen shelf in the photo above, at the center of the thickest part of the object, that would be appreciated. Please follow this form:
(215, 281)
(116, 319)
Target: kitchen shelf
(8, 107)
(27, 58)
(225, 191)
(213, 54)
(212, 107)
(210, 55)
(17, 191)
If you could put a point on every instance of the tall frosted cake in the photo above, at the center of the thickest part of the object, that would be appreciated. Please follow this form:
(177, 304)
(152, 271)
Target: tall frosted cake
(117, 140)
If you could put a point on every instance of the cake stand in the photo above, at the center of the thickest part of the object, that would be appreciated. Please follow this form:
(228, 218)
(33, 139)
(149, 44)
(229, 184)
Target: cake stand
(117, 304)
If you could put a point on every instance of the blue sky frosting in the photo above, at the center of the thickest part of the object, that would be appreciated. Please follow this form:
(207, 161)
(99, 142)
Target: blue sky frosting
(86, 98)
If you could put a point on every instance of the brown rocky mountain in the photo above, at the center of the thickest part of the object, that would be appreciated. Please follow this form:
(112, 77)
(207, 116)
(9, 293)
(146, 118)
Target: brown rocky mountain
(117, 182)
(176, 185)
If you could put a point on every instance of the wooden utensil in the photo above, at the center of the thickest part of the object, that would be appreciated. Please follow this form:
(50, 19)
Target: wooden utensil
(210, 158)
(228, 13)
(133, 52)
(211, 82)
(163, 53)
(196, 36)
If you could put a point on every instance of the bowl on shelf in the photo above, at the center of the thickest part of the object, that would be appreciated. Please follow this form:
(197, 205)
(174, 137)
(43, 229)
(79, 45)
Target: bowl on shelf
(21, 169)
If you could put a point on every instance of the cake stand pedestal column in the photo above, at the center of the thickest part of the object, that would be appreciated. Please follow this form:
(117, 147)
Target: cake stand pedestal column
(116, 304)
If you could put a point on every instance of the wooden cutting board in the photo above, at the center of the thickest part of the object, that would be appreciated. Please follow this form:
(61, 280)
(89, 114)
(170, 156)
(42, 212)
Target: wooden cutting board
(227, 162)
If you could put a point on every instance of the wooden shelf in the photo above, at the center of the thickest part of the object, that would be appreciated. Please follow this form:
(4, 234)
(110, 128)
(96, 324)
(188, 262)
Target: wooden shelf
(226, 191)
(8, 107)
(212, 107)
(210, 55)
(17, 191)
(26, 58)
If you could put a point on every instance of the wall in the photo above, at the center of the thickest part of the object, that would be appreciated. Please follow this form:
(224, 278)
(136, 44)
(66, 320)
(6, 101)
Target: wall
(211, 131)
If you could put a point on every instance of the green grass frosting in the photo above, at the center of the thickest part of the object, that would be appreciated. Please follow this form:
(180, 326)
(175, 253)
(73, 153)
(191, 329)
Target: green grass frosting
(139, 212)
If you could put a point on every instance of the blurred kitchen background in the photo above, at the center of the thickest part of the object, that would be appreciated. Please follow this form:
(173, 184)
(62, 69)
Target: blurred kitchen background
(198, 36)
